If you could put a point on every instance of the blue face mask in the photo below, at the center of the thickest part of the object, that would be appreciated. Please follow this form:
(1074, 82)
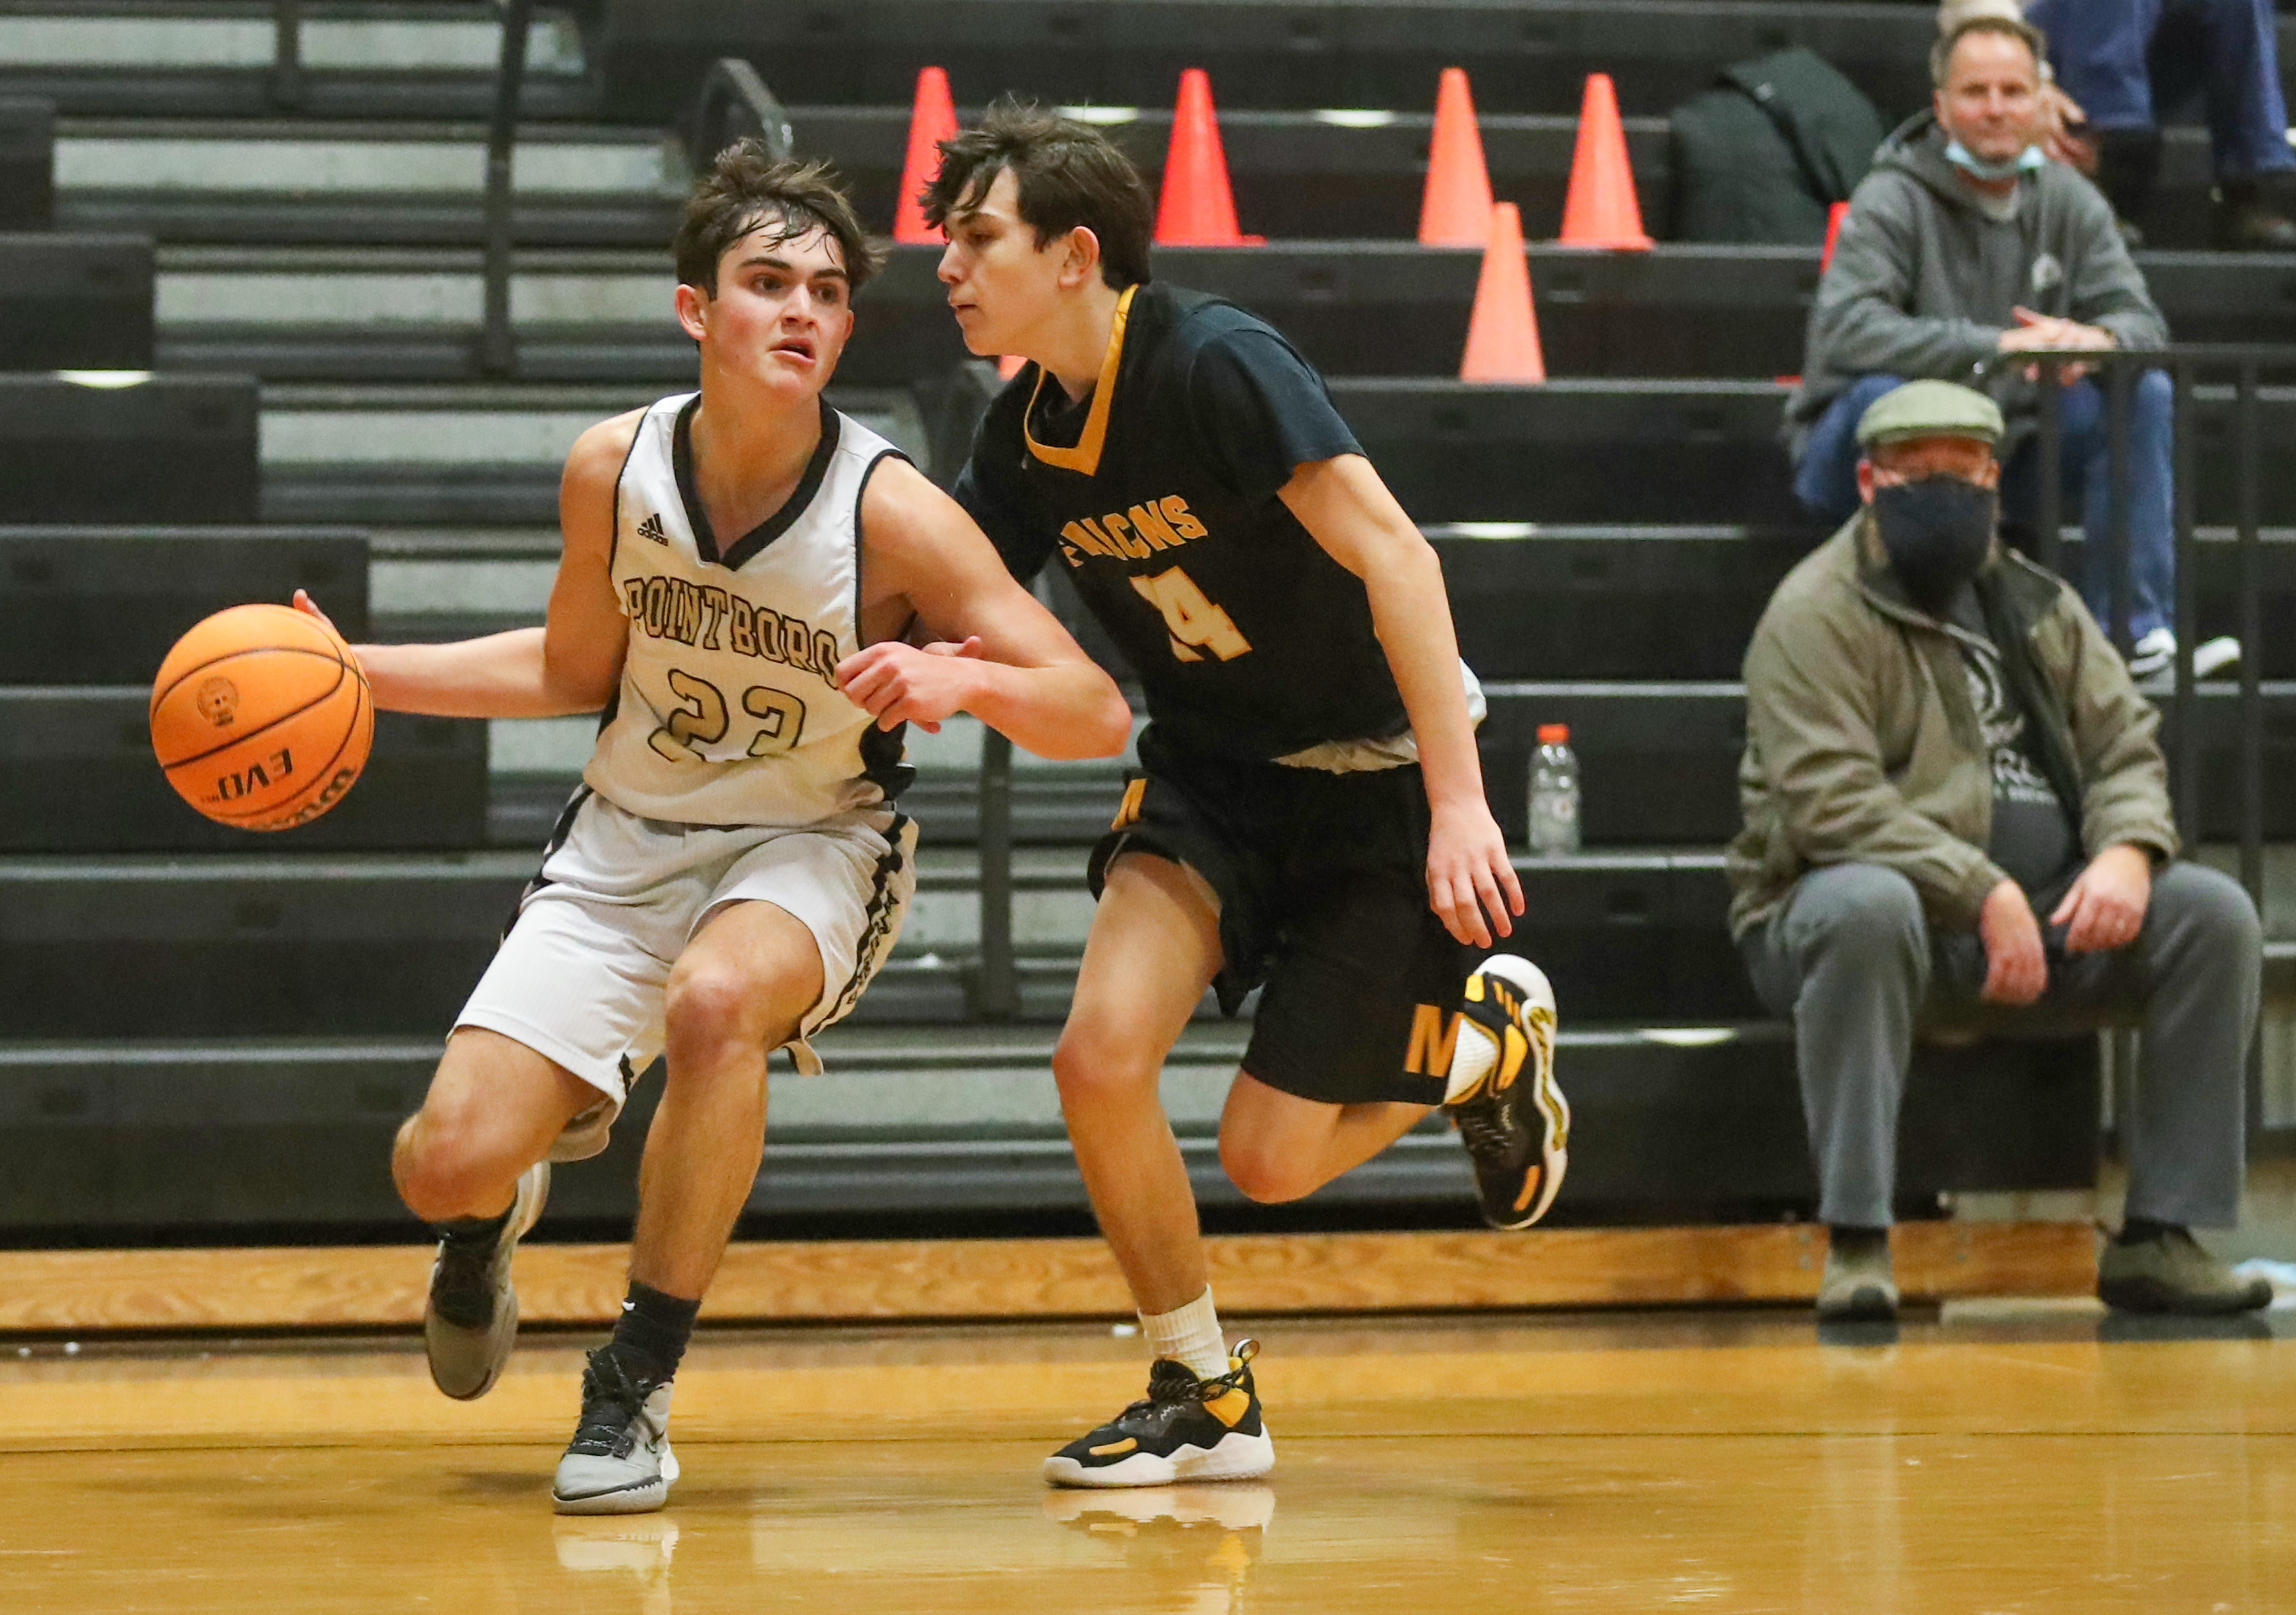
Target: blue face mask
(1969, 162)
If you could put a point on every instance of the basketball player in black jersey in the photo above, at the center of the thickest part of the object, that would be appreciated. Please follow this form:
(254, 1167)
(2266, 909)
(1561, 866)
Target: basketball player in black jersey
(1309, 816)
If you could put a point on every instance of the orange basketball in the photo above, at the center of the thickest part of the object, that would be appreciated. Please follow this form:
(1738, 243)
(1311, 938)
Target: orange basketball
(261, 718)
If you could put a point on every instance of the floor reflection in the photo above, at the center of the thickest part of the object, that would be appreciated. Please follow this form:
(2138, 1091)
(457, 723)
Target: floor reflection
(2143, 1326)
(634, 1549)
(1997, 1459)
(1195, 1544)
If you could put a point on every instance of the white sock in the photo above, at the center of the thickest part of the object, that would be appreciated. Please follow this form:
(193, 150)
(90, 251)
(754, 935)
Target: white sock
(1189, 1336)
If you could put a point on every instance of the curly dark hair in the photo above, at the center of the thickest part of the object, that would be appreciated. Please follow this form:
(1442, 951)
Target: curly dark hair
(1070, 174)
(745, 189)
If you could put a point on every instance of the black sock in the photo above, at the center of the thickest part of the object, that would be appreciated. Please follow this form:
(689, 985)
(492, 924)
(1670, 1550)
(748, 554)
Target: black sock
(473, 1233)
(653, 1330)
(1850, 1241)
(2137, 1230)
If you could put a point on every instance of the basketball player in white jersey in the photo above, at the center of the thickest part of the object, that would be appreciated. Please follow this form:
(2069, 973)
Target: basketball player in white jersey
(745, 571)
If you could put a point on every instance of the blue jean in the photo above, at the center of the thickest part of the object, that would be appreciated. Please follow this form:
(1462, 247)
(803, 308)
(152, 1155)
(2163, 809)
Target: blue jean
(2124, 60)
(1826, 481)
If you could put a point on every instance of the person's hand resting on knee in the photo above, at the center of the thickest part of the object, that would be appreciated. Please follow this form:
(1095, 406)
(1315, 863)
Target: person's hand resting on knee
(2106, 905)
(2016, 971)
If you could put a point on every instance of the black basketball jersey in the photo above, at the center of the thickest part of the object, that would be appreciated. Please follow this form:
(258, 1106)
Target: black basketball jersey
(1159, 492)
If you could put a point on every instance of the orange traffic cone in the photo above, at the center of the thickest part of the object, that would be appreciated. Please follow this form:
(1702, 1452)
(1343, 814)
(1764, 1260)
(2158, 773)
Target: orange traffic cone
(1457, 211)
(1197, 208)
(932, 120)
(1503, 332)
(1834, 215)
(1601, 209)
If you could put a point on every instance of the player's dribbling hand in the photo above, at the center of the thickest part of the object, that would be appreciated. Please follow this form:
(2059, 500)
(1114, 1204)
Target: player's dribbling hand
(310, 608)
(903, 684)
(1471, 881)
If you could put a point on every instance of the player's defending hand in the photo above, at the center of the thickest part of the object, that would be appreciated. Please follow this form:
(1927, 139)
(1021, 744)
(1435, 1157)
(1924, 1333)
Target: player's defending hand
(904, 684)
(1470, 876)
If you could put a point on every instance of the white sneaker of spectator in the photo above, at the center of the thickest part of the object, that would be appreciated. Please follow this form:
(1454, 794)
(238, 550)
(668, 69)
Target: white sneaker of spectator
(2154, 657)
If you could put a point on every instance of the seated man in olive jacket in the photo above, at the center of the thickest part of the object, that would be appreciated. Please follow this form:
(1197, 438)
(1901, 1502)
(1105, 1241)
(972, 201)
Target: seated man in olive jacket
(1956, 818)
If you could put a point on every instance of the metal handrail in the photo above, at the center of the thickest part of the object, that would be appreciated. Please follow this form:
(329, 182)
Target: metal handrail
(287, 53)
(497, 342)
(996, 984)
(2184, 363)
(731, 104)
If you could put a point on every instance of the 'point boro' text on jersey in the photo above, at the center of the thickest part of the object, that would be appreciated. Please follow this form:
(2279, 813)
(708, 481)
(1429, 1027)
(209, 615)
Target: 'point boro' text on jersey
(1159, 492)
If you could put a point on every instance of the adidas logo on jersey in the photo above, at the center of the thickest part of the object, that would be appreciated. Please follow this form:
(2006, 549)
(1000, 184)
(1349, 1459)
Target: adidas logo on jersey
(651, 528)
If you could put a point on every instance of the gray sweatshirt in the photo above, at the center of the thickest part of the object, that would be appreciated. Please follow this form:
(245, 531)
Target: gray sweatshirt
(1925, 273)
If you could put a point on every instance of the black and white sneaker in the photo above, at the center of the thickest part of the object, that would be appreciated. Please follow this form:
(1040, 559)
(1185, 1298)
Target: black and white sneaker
(469, 1319)
(1184, 1429)
(620, 1461)
(1502, 1097)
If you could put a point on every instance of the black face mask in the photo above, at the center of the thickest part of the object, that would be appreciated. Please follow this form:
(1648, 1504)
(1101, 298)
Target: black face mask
(1936, 533)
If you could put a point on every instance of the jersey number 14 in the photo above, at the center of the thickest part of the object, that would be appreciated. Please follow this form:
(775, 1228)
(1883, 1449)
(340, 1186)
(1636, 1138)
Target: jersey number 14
(704, 719)
(1195, 624)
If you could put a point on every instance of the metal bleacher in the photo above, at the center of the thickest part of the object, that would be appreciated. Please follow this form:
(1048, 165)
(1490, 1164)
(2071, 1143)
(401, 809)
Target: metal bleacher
(282, 213)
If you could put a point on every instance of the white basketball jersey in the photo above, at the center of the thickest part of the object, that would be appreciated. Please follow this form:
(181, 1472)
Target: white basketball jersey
(726, 713)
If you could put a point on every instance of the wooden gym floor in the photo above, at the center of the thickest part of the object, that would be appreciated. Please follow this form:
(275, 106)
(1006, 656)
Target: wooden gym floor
(1998, 1457)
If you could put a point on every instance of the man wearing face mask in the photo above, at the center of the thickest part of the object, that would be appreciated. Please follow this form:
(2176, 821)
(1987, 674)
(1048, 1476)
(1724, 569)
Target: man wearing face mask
(1957, 819)
(1963, 243)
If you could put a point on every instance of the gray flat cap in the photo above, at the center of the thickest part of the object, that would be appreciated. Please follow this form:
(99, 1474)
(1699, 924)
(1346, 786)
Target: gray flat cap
(1929, 409)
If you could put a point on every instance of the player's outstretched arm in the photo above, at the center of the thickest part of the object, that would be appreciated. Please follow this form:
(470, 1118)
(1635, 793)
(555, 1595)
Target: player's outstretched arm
(1470, 883)
(999, 654)
(568, 665)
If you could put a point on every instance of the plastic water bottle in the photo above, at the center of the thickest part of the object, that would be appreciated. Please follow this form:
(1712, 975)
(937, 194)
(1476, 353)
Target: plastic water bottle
(1554, 793)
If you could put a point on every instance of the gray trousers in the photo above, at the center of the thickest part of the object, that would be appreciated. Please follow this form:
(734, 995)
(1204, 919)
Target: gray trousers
(1851, 960)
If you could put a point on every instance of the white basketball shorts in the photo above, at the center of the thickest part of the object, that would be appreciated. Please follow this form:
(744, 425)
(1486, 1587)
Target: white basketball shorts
(579, 979)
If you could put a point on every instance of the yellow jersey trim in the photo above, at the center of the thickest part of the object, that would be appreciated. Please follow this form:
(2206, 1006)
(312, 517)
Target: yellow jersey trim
(1085, 458)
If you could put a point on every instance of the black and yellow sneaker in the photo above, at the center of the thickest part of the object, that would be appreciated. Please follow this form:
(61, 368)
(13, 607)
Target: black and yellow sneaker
(1502, 1097)
(1184, 1429)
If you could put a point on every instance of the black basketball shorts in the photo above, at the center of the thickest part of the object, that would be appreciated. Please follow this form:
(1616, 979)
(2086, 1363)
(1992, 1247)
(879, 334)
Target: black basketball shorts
(1322, 889)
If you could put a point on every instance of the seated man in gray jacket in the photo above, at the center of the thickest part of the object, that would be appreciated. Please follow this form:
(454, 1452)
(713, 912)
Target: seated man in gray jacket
(1965, 243)
(1956, 818)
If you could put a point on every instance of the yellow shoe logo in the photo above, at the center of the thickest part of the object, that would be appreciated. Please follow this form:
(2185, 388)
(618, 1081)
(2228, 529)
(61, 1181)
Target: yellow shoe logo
(1512, 1048)
(1529, 1187)
(1127, 811)
(1229, 1409)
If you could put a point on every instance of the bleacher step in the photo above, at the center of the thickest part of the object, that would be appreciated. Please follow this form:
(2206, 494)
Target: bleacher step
(277, 944)
(99, 448)
(245, 181)
(74, 301)
(77, 775)
(1691, 1122)
(1678, 310)
(198, 57)
(1330, 173)
(481, 454)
